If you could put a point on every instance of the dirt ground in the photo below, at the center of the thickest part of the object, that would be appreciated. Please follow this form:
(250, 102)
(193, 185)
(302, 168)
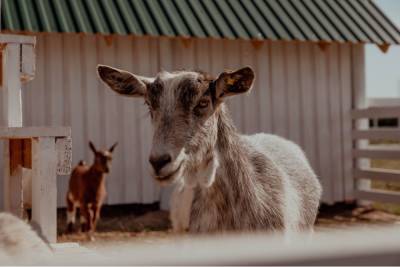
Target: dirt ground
(146, 223)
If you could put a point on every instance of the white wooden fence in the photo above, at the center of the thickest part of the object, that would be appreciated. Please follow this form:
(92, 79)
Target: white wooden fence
(367, 150)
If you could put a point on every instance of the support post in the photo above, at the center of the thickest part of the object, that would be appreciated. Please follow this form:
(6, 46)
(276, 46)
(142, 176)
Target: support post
(359, 102)
(11, 89)
(44, 187)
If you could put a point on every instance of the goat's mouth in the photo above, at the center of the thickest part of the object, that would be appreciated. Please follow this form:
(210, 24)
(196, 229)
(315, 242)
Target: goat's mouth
(170, 176)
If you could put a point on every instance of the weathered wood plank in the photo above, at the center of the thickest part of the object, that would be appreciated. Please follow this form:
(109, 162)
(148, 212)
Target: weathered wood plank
(376, 134)
(44, 187)
(11, 92)
(28, 132)
(262, 84)
(324, 128)
(293, 92)
(308, 102)
(378, 195)
(377, 174)
(360, 102)
(17, 39)
(376, 112)
(377, 153)
(346, 102)
(28, 62)
(335, 122)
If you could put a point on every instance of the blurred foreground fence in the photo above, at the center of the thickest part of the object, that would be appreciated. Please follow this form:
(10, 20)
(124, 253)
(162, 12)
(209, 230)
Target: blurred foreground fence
(368, 246)
(376, 143)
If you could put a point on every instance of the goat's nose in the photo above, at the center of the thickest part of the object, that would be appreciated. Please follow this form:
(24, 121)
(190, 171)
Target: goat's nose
(159, 162)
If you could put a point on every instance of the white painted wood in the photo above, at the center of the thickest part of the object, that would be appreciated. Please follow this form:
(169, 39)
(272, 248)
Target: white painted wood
(44, 186)
(377, 153)
(11, 90)
(27, 62)
(54, 87)
(275, 110)
(376, 134)
(376, 112)
(359, 102)
(308, 103)
(383, 102)
(278, 88)
(377, 195)
(39, 108)
(324, 133)
(335, 123)
(17, 39)
(27, 132)
(263, 85)
(293, 92)
(347, 124)
(377, 174)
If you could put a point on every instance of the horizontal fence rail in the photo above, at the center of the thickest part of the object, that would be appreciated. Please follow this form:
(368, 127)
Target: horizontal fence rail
(388, 148)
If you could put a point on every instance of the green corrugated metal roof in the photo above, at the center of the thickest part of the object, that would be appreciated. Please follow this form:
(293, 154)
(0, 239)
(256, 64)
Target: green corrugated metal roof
(303, 20)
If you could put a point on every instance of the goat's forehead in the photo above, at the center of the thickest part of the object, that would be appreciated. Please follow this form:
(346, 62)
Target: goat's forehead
(172, 80)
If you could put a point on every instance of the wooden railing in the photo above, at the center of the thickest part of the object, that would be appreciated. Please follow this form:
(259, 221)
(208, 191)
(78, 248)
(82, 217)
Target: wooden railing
(366, 150)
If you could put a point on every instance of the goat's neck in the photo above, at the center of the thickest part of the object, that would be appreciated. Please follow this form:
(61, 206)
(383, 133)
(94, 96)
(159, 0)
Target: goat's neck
(95, 174)
(233, 154)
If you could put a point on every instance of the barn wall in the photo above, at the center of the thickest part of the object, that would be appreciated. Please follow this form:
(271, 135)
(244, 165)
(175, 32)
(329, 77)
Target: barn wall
(301, 92)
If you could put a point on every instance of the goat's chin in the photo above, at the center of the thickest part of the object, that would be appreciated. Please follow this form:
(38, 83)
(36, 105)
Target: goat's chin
(171, 177)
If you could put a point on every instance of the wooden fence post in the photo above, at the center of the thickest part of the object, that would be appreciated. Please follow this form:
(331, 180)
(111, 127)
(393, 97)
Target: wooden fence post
(44, 186)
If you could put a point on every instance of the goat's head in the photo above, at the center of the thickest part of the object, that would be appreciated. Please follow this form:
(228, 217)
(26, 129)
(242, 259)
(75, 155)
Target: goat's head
(102, 158)
(183, 107)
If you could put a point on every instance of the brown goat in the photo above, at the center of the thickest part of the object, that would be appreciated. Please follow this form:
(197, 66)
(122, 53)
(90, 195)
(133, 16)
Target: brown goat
(87, 189)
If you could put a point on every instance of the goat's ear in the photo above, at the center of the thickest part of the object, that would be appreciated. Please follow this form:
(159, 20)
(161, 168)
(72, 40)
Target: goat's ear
(113, 147)
(233, 83)
(92, 147)
(123, 82)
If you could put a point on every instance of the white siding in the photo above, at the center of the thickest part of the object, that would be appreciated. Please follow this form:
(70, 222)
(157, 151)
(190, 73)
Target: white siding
(301, 92)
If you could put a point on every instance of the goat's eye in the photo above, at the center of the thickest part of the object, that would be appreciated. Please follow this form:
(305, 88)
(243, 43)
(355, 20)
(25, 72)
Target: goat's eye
(203, 103)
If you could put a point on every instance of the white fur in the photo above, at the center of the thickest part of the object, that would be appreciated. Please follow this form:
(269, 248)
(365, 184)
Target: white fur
(292, 160)
(181, 203)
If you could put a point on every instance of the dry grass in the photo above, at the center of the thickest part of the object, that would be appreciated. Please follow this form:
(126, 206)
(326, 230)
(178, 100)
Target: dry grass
(154, 226)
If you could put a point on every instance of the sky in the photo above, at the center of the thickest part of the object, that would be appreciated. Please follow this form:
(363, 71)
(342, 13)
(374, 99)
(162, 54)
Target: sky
(383, 70)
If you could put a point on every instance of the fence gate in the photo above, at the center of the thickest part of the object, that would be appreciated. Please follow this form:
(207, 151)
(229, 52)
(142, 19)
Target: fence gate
(376, 154)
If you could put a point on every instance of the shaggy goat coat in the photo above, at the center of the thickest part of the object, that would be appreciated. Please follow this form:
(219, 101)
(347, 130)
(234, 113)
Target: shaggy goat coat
(263, 182)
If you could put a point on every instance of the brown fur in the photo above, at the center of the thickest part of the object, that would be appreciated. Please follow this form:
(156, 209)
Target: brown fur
(87, 189)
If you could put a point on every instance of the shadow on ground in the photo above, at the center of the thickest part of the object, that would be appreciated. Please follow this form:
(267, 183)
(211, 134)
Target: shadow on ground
(147, 223)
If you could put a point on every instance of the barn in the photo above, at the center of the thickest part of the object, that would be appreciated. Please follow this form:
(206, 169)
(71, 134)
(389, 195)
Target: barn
(308, 57)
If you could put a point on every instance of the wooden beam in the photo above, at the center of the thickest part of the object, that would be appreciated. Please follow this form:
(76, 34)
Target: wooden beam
(377, 174)
(377, 153)
(378, 195)
(28, 132)
(11, 89)
(376, 112)
(380, 134)
(17, 39)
